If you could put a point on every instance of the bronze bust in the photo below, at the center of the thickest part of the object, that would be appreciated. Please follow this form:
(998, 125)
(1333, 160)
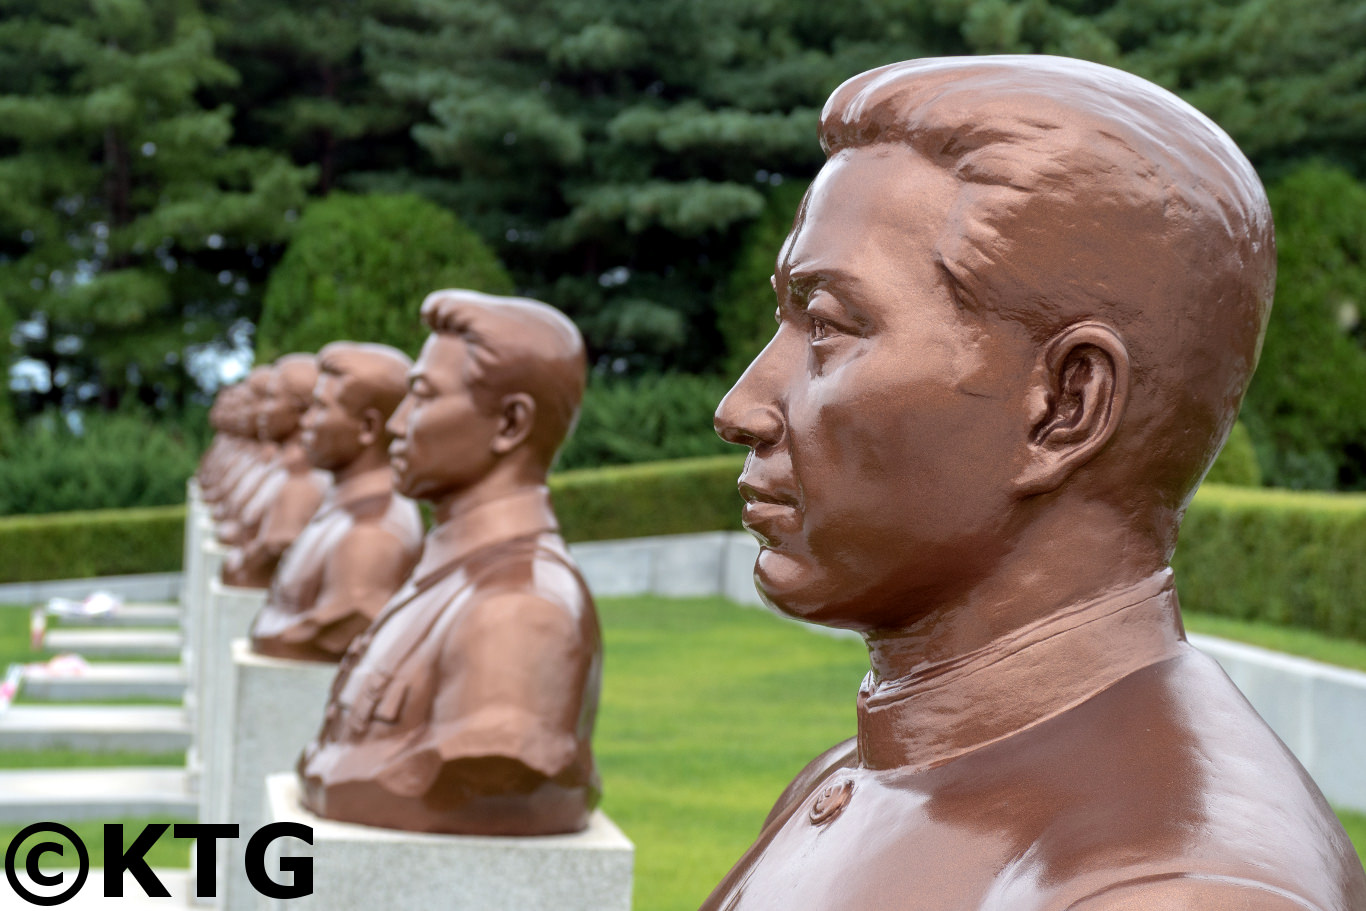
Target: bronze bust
(468, 705)
(248, 460)
(364, 539)
(290, 489)
(1017, 312)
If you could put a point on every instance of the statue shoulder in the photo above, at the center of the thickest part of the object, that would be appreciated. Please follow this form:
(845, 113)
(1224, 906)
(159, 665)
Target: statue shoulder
(1192, 893)
(842, 755)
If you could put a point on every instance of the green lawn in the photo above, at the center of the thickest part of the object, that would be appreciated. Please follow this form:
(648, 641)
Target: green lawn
(1302, 642)
(690, 762)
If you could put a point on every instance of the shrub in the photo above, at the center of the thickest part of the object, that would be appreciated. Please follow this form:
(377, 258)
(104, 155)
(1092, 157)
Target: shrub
(661, 498)
(76, 545)
(358, 267)
(744, 311)
(1287, 557)
(117, 460)
(663, 416)
(1306, 408)
(1237, 462)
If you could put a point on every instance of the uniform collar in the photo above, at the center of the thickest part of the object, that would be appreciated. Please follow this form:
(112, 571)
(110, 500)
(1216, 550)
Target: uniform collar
(373, 483)
(526, 512)
(1019, 680)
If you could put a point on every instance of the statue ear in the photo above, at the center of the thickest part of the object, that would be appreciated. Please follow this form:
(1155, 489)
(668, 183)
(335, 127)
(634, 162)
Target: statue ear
(517, 415)
(1079, 397)
(371, 427)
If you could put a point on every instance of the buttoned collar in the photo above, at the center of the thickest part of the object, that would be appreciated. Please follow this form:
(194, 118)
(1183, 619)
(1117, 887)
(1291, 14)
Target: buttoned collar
(373, 483)
(1017, 681)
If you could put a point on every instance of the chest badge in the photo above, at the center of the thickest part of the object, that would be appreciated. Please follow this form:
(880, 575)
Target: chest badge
(831, 801)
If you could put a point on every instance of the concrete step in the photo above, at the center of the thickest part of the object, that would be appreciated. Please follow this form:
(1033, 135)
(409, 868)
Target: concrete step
(136, 614)
(95, 729)
(107, 680)
(91, 897)
(67, 795)
(115, 643)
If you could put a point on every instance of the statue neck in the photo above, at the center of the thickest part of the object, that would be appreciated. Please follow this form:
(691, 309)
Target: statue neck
(945, 708)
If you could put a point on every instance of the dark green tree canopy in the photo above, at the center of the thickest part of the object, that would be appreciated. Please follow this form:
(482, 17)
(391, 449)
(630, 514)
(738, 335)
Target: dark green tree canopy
(359, 266)
(1306, 408)
(129, 223)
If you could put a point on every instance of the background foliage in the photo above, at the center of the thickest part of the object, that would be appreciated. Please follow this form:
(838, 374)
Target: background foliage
(634, 163)
(1307, 404)
(120, 459)
(358, 268)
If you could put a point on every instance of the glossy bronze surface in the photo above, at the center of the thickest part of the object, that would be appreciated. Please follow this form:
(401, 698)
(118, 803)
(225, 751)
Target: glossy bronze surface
(1017, 312)
(289, 491)
(364, 539)
(250, 459)
(468, 705)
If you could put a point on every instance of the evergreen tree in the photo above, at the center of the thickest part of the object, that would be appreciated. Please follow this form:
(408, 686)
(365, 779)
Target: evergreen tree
(613, 151)
(131, 231)
(1306, 408)
(305, 91)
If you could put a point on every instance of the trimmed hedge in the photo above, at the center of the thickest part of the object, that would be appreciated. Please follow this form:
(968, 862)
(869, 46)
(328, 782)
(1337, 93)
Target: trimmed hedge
(106, 542)
(1286, 557)
(654, 498)
(1290, 557)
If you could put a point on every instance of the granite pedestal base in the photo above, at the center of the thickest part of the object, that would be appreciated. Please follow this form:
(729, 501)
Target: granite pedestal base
(229, 617)
(360, 868)
(277, 708)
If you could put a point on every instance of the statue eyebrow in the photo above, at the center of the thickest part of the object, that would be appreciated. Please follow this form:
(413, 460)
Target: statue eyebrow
(801, 284)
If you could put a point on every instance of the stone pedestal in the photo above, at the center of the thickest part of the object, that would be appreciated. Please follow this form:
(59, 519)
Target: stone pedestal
(360, 868)
(277, 708)
(195, 627)
(229, 616)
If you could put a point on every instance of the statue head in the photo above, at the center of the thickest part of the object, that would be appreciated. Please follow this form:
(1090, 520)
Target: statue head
(359, 386)
(246, 407)
(494, 394)
(1018, 310)
(288, 392)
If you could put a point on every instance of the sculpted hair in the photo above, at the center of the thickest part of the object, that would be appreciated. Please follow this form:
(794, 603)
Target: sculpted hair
(517, 345)
(1088, 193)
(373, 376)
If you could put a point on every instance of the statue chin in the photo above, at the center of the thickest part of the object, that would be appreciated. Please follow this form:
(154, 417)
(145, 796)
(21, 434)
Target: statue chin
(795, 585)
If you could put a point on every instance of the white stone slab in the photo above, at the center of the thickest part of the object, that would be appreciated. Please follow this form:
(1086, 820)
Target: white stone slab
(687, 565)
(277, 708)
(66, 795)
(360, 868)
(737, 569)
(115, 643)
(150, 729)
(616, 567)
(134, 614)
(133, 587)
(107, 680)
(676, 565)
(230, 613)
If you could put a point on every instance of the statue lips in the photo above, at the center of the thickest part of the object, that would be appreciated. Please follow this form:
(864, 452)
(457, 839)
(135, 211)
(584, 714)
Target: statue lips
(398, 458)
(769, 514)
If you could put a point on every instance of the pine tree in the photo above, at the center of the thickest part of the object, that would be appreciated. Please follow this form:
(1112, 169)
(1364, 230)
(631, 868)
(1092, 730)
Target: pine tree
(305, 91)
(131, 231)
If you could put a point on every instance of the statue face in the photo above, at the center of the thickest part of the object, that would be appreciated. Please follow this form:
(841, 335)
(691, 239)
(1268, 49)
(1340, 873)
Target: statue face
(883, 418)
(442, 438)
(330, 433)
(277, 415)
